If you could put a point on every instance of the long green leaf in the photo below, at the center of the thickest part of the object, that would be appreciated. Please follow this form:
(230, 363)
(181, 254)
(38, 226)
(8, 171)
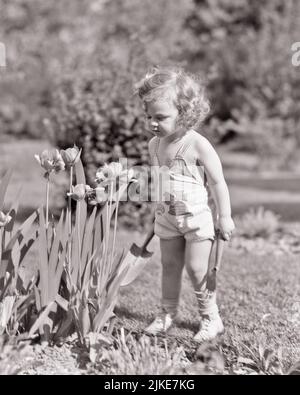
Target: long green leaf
(87, 273)
(4, 267)
(74, 258)
(114, 285)
(6, 310)
(3, 187)
(26, 247)
(43, 318)
(15, 261)
(24, 229)
(79, 172)
(113, 207)
(22, 305)
(84, 318)
(80, 179)
(60, 265)
(79, 229)
(64, 326)
(63, 303)
(38, 300)
(54, 258)
(63, 240)
(88, 239)
(97, 232)
(5, 285)
(110, 301)
(13, 211)
(43, 261)
(102, 317)
(117, 262)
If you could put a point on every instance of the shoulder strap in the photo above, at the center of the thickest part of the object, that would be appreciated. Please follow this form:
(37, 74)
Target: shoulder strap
(152, 146)
(156, 141)
(187, 142)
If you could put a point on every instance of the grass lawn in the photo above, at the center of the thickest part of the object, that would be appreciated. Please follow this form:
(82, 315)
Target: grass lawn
(259, 299)
(259, 296)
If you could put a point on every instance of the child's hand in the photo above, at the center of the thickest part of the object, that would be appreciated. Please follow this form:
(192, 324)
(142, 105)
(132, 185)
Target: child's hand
(226, 227)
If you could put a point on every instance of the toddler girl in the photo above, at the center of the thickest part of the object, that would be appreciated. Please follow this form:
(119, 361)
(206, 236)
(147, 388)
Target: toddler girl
(175, 104)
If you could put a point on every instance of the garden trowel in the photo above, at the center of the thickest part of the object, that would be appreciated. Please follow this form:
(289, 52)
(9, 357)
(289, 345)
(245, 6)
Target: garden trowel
(211, 283)
(136, 259)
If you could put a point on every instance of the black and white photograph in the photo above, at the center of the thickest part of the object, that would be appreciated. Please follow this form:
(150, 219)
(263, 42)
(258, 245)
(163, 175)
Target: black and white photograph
(150, 190)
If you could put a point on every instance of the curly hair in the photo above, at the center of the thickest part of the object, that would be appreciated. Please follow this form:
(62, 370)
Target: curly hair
(185, 90)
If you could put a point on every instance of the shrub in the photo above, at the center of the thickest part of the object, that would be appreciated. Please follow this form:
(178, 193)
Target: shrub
(251, 79)
(99, 113)
(258, 223)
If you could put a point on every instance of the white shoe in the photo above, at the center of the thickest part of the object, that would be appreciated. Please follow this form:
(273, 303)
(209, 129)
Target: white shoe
(160, 325)
(210, 328)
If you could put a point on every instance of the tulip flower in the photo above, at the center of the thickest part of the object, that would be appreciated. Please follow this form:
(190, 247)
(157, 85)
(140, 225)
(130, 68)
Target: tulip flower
(127, 176)
(112, 171)
(97, 195)
(70, 156)
(78, 192)
(4, 219)
(101, 195)
(108, 172)
(50, 160)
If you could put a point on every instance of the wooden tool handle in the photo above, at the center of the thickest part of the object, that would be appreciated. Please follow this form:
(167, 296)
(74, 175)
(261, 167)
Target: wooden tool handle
(219, 251)
(149, 236)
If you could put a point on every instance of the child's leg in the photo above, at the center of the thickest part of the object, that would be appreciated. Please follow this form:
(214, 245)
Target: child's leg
(172, 259)
(197, 260)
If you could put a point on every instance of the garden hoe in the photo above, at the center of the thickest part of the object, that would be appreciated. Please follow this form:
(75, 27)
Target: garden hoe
(136, 259)
(211, 283)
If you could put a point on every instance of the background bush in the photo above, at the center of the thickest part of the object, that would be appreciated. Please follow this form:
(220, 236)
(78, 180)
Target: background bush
(102, 116)
(245, 49)
(72, 67)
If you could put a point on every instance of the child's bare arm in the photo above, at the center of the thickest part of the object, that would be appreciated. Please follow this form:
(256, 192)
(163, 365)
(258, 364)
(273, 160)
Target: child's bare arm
(213, 168)
(151, 150)
(151, 156)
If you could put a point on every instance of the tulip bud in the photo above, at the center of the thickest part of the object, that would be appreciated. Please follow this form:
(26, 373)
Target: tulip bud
(70, 156)
(78, 192)
(109, 172)
(101, 195)
(126, 176)
(4, 219)
(50, 160)
(97, 195)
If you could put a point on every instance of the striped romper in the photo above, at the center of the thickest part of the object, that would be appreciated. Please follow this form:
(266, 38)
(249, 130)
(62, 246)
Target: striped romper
(182, 199)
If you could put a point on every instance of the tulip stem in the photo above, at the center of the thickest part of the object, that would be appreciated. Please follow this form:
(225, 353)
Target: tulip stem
(106, 236)
(79, 243)
(115, 229)
(107, 230)
(1, 244)
(70, 217)
(110, 214)
(47, 200)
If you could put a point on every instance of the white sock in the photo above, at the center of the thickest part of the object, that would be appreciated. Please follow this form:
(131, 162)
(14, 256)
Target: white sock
(169, 306)
(207, 302)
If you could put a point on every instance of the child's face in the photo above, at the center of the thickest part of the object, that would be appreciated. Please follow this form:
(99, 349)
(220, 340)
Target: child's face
(162, 117)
